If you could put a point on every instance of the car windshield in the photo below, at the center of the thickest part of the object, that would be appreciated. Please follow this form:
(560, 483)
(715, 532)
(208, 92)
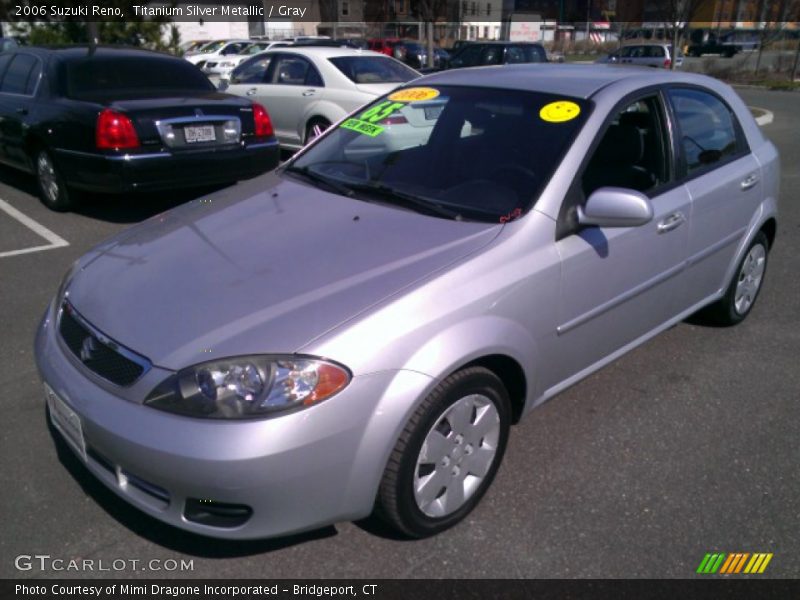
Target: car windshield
(254, 49)
(455, 152)
(97, 76)
(373, 69)
(212, 47)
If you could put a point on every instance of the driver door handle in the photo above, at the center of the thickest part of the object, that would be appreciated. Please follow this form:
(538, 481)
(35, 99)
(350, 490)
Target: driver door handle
(671, 222)
(749, 181)
(251, 92)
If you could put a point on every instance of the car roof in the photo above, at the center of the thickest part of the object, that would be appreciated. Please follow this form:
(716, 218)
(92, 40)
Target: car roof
(82, 50)
(579, 81)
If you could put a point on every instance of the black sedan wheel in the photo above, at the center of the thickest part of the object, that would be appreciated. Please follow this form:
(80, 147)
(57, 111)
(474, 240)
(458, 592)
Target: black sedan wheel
(447, 455)
(52, 190)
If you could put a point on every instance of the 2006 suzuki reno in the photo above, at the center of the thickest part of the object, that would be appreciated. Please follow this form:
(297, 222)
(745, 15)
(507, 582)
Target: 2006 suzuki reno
(357, 330)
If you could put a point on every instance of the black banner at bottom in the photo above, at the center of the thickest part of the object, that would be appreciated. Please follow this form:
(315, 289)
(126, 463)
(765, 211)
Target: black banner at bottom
(380, 589)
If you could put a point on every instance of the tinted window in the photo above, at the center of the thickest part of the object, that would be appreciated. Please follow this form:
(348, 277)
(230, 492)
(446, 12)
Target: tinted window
(481, 153)
(632, 153)
(707, 129)
(373, 69)
(492, 55)
(15, 80)
(105, 75)
(468, 57)
(252, 71)
(234, 48)
(524, 54)
(4, 60)
(291, 70)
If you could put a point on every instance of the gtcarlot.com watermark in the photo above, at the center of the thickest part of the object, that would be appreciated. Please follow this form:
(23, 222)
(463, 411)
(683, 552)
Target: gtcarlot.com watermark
(46, 562)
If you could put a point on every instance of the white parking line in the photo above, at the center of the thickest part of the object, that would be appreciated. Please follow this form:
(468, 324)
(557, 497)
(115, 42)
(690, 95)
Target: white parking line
(56, 241)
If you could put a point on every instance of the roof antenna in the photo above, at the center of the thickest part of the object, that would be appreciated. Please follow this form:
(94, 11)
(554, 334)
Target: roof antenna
(91, 30)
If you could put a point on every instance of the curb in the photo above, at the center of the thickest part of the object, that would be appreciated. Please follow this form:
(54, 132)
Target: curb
(765, 118)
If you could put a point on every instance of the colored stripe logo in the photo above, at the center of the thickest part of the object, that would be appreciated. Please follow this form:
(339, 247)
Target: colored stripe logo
(734, 563)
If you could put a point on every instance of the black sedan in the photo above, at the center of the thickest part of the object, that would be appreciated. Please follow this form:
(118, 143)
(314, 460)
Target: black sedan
(117, 119)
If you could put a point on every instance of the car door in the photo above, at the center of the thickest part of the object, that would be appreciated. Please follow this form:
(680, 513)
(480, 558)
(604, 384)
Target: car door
(18, 87)
(293, 84)
(722, 178)
(619, 284)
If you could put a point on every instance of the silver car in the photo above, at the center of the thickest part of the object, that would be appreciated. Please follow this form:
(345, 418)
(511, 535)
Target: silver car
(361, 328)
(645, 55)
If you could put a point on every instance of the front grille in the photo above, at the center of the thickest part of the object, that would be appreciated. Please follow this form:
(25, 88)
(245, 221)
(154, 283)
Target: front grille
(96, 352)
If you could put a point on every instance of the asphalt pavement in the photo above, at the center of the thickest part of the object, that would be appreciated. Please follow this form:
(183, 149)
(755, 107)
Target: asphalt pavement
(684, 446)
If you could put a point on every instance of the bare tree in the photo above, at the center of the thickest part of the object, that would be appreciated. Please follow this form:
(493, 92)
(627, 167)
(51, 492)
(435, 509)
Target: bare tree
(677, 14)
(774, 16)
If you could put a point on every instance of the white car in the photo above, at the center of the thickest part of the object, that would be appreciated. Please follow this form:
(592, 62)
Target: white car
(218, 49)
(305, 90)
(217, 69)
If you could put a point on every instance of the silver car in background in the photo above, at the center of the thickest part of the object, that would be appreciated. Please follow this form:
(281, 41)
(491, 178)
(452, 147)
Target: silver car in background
(358, 330)
(306, 89)
(645, 55)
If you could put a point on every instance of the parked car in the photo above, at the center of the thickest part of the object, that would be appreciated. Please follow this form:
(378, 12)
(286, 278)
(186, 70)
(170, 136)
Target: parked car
(189, 47)
(497, 53)
(712, 44)
(113, 119)
(8, 43)
(216, 51)
(307, 89)
(342, 334)
(221, 68)
(385, 46)
(644, 55)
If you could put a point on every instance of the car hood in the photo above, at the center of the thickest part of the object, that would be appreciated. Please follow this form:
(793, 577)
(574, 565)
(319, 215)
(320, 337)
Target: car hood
(262, 267)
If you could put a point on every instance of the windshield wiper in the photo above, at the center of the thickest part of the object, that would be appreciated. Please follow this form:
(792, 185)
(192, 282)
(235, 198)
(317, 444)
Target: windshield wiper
(419, 203)
(336, 186)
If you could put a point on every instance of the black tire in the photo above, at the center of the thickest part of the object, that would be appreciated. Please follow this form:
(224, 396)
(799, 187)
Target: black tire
(397, 504)
(315, 128)
(53, 190)
(727, 310)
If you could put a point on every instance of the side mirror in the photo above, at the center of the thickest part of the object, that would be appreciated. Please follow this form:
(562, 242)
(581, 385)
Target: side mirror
(616, 207)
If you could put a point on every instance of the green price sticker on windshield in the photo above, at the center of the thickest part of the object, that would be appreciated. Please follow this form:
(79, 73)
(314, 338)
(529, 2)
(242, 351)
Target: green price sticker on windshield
(364, 127)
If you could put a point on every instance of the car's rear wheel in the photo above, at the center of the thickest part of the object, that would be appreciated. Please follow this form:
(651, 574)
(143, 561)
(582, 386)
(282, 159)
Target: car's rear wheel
(52, 189)
(447, 455)
(316, 128)
(743, 289)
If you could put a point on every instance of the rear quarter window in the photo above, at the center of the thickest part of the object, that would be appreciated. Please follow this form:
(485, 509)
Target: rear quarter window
(106, 75)
(708, 128)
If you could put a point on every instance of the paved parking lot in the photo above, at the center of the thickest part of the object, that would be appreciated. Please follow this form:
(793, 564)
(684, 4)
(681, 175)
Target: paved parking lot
(685, 446)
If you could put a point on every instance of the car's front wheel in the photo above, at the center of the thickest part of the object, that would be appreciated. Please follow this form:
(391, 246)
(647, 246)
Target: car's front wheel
(447, 455)
(52, 189)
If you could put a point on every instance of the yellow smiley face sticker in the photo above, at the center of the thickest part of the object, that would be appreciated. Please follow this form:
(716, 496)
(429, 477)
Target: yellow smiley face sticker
(416, 94)
(558, 112)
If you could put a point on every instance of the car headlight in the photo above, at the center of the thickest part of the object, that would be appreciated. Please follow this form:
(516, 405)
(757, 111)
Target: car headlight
(226, 65)
(65, 281)
(247, 387)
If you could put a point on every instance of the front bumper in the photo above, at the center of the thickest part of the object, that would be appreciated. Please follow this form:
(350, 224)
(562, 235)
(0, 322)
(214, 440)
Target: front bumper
(295, 472)
(115, 173)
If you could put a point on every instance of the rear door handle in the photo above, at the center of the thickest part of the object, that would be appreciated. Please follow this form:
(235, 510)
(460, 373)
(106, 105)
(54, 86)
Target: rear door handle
(749, 181)
(251, 92)
(309, 92)
(22, 111)
(671, 222)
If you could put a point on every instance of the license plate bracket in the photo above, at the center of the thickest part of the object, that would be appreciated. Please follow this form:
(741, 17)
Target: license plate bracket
(66, 421)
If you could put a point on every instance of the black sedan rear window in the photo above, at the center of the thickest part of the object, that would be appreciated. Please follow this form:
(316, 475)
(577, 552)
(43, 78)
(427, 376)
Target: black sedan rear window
(373, 69)
(101, 76)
